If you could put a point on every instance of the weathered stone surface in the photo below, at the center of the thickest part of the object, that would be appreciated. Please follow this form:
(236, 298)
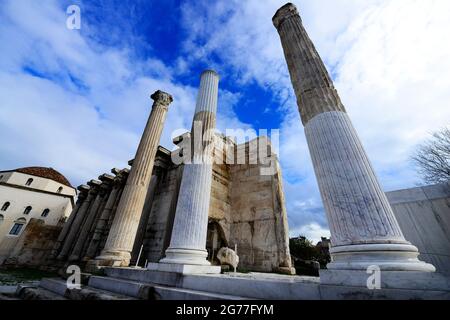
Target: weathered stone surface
(34, 245)
(78, 220)
(162, 213)
(312, 83)
(83, 193)
(227, 256)
(258, 218)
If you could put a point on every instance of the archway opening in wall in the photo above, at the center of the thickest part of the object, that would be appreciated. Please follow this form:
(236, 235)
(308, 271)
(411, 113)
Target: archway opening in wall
(6, 206)
(215, 240)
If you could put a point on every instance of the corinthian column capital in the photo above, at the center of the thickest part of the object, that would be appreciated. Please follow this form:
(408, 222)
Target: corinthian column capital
(161, 99)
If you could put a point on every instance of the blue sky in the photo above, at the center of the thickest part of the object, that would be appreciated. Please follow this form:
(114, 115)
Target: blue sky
(77, 100)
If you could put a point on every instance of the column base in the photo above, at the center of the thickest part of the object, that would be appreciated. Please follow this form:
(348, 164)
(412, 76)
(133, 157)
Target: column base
(404, 280)
(388, 257)
(186, 256)
(184, 268)
(185, 261)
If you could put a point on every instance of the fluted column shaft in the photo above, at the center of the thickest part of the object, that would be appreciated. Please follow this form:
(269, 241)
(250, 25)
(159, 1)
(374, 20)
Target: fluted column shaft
(79, 218)
(364, 230)
(188, 241)
(90, 217)
(103, 219)
(121, 237)
(68, 224)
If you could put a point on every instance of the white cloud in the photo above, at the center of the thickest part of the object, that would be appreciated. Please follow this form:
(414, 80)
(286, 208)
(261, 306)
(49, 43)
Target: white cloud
(394, 78)
(69, 102)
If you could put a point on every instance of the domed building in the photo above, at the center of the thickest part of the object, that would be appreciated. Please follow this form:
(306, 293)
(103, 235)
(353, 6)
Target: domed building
(38, 193)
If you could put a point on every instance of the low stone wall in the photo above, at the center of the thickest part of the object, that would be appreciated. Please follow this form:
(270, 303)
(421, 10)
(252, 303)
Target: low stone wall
(34, 244)
(424, 217)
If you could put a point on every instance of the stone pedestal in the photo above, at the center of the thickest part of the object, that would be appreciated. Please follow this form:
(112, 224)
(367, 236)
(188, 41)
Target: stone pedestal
(118, 247)
(188, 241)
(183, 268)
(388, 280)
(364, 230)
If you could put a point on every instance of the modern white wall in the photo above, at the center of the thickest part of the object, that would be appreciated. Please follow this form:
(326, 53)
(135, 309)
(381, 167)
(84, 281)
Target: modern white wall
(424, 217)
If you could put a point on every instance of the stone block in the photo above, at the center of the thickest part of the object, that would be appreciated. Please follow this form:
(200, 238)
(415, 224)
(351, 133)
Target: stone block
(184, 268)
(389, 279)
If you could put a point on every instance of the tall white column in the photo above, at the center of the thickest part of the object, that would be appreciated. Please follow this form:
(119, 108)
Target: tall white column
(364, 230)
(188, 241)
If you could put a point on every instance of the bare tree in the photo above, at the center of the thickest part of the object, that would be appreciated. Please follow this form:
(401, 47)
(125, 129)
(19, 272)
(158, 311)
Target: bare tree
(433, 158)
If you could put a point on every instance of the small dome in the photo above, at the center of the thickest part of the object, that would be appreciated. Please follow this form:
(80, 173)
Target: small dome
(48, 173)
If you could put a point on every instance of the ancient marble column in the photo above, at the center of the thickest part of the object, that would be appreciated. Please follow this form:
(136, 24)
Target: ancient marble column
(188, 241)
(363, 227)
(104, 216)
(104, 237)
(93, 211)
(123, 230)
(68, 224)
(79, 218)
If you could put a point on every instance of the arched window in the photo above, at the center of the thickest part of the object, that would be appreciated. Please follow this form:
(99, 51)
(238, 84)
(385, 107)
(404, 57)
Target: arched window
(5, 206)
(27, 210)
(29, 182)
(45, 213)
(60, 189)
(17, 227)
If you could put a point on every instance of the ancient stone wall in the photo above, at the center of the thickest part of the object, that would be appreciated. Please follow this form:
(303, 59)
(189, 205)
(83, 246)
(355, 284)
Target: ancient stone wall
(34, 244)
(259, 222)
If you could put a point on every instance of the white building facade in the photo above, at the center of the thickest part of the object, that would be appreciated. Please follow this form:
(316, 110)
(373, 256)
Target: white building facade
(27, 193)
